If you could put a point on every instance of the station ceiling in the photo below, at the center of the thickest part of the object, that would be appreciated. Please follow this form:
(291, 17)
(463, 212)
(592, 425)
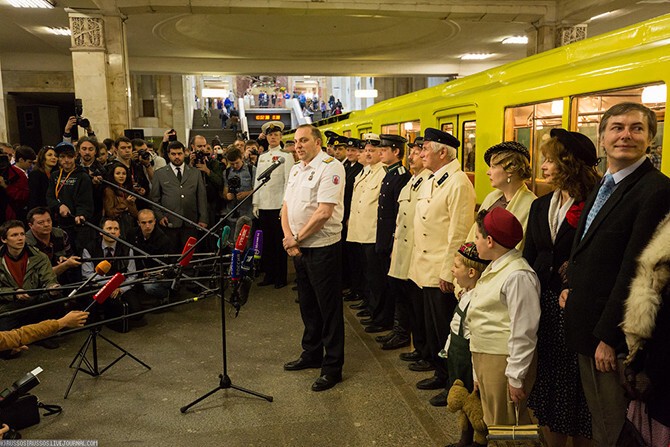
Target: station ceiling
(312, 37)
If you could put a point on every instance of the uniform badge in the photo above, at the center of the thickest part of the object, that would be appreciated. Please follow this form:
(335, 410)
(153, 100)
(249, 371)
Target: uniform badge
(336, 180)
(311, 176)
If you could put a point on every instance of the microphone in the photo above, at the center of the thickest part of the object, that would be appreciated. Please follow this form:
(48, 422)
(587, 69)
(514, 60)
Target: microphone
(187, 253)
(265, 175)
(243, 238)
(247, 263)
(100, 270)
(223, 241)
(258, 245)
(235, 265)
(110, 286)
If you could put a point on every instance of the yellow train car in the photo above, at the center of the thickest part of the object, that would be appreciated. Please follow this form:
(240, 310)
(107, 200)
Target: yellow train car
(569, 87)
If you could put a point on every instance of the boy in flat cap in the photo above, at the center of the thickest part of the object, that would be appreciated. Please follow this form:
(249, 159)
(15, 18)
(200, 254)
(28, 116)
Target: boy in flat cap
(503, 318)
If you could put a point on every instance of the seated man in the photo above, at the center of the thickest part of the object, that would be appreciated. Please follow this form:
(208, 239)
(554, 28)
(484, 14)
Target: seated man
(54, 243)
(23, 267)
(151, 239)
(108, 248)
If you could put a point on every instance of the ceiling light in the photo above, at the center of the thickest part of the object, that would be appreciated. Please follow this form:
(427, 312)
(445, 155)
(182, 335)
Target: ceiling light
(600, 16)
(365, 93)
(214, 93)
(654, 94)
(515, 40)
(476, 56)
(59, 30)
(44, 4)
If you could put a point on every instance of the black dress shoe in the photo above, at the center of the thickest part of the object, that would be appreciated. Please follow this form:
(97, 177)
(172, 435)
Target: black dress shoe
(358, 306)
(397, 342)
(363, 313)
(297, 365)
(367, 321)
(439, 400)
(421, 366)
(432, 383)
(413, 356)
(326, 382)
(280, 285)
(384, 338)
(373, 329)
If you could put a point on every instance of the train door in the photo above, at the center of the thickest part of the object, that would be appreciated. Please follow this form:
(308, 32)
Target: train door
(464, 127)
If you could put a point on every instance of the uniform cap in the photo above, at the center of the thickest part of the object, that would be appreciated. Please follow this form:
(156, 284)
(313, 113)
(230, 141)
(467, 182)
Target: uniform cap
(393, 141)
(578, 144)
(442, 137)
(503, 227)
(506, 146)
(371, 138)
(331, 137)
(272, 126)
(418, 141)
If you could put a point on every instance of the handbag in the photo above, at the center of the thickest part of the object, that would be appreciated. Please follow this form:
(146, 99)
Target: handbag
(24, 412)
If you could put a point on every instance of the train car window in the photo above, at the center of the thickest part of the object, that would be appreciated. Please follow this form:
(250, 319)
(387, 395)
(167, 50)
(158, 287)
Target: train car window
(346, 133)
(410, 130)
(587, 111)
(468, 137)
(530, 125)
(447, 127)
(391, 129)
(364, 130)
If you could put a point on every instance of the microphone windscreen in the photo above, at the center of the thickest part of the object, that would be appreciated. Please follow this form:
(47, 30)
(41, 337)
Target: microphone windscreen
(235, 265)
(225, 234)
(281, 160)
(243, 238)
(103, 267)
(258, 244)
(189, 244)
(110, 286)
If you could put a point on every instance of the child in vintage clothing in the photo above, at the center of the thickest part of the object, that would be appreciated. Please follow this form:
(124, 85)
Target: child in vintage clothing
(503, 318)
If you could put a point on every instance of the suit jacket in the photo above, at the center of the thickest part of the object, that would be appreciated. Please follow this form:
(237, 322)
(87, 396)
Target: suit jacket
(547, 257)
(188, 199)
(602, 264)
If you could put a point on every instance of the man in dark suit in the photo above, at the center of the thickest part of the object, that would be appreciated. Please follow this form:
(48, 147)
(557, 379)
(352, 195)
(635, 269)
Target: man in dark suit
(180, 188)
(618, 220)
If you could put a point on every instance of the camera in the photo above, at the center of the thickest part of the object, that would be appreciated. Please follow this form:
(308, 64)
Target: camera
(200, 157)
(172, 136)
(78, 112)
(144, 154)
(234, 184)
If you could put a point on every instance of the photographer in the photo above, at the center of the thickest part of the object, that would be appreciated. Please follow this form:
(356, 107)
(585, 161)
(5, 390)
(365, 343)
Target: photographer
(146, 156)
(239, 181)
(14, 191)
(168, 136)
(75, 121)
(251, 152)
(201, 159)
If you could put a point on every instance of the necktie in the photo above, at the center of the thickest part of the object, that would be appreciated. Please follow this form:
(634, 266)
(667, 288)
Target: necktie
(178, 174)
(605, 191)
(109, 252)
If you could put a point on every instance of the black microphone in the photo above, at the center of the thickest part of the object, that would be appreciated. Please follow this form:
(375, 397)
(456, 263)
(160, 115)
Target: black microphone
(275, 164)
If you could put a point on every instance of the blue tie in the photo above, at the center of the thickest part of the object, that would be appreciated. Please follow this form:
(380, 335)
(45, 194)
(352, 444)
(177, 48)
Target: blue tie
(605, 191)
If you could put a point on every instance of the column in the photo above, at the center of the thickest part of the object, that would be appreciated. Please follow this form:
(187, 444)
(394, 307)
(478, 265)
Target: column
(4, 132)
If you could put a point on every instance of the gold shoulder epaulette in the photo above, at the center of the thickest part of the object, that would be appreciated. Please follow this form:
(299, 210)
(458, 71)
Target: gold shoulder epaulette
(328, 160)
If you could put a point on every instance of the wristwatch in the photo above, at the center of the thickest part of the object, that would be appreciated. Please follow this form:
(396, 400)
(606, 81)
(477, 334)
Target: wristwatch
(297, 238)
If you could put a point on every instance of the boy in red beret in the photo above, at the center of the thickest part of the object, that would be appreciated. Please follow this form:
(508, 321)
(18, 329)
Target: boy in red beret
(503, 318)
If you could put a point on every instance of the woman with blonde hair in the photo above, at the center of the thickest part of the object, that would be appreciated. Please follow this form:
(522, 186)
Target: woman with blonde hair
(557, 397)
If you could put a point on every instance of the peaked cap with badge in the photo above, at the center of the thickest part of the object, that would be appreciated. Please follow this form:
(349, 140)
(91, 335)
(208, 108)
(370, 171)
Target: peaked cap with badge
(392, 141)
(442, 137)
(272, 126)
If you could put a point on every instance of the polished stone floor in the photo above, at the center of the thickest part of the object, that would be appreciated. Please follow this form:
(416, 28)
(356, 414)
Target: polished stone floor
(377, 404)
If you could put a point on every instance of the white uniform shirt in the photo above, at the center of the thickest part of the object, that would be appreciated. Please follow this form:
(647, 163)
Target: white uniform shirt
(320, 181)
(270, 196)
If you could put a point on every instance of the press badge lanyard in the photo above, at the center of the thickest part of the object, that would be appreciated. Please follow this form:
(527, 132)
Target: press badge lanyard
(60, 185)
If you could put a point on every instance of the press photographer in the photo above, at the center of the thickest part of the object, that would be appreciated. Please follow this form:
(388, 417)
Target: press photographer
(77, 121)
(146, 156)
(201, 159)
(238, 184)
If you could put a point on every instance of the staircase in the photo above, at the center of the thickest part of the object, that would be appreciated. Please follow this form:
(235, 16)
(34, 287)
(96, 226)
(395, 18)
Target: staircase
(226, 136)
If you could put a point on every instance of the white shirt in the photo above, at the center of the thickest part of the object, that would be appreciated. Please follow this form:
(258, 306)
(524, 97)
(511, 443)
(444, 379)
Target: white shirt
(88, 269)
(319, 181)
(174, 169)
(270, 196)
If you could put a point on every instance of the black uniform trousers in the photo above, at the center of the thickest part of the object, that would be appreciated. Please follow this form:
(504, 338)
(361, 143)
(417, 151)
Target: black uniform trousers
(274, 260)
(319, 276)
(356, 268)
(408, 318)
(438, 311)
(377, 268)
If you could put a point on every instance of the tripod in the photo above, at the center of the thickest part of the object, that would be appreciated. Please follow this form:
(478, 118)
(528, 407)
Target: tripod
(92, 369)
(224, 380)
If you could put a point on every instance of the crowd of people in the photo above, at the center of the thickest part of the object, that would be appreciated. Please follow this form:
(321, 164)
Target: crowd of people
(527, 302)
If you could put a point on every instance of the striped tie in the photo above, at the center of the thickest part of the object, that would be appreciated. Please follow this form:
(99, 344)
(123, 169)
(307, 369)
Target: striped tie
(605, 191)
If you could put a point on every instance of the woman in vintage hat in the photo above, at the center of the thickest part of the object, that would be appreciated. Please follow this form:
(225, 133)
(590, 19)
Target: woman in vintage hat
(509, 168)
(557, 398)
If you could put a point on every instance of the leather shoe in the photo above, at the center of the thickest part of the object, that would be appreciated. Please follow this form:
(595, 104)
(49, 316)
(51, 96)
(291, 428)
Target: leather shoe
(301, 363)
(421, 366)
(384, 338)
(373, 329)
(432, 383)
(358, 306)
(397, 342)
(413, 356)
(439, 400)
(363, 313)
(325, 382)
(367, 321)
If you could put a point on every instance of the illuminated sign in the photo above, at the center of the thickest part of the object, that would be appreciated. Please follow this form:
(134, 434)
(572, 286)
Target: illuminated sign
(268, 117)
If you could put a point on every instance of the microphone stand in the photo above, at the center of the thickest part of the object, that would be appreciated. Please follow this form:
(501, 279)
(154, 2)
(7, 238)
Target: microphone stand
(224, 379)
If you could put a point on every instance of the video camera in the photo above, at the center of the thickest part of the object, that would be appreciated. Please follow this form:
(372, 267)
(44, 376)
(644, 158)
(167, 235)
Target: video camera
(78, 112)
(234, 184)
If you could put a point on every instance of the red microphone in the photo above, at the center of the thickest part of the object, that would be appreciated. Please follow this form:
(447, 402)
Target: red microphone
(186, 260)
(243, 238)
(110, 286)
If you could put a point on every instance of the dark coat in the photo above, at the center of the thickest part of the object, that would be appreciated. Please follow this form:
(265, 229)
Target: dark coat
(602, 264)
(76, 194)
(547, 257)
(387, 209)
